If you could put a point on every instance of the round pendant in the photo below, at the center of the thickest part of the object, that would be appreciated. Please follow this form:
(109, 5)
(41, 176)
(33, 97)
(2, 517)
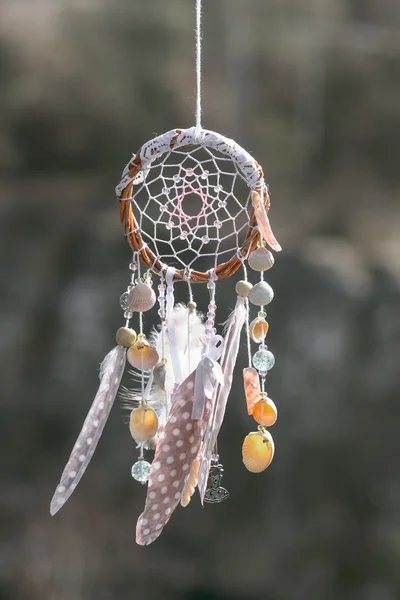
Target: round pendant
(263, 360)
(141, 471)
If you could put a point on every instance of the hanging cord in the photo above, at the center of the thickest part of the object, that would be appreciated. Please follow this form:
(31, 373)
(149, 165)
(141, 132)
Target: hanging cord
(248, 344)
(141, 333)
(189, 312)
(198, 64)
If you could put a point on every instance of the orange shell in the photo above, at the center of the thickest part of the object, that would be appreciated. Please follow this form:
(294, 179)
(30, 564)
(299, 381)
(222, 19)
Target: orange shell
(258, 451)
(143, 423)
(251, 387)
(264, 412)
(190, 483)
(142, 356)
(258, 330)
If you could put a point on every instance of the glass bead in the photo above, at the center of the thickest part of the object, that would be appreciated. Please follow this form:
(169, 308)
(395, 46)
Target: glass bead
(262, 314)
(217, 224)
(205, 175)
(169, 225)
(176, 178)
(212, 306)
(141, 471)
(163, 207)
(162, 287)
(128, 314)
(133, 266)
(263, 360)
(211, 315)
(222, 204)
(124, 301)
(205, 239)
(189, 172)
(165, 190)
(183, 235)
(209, 323)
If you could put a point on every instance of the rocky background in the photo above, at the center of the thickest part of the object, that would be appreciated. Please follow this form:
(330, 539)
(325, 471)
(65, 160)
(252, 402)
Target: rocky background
(312, 89)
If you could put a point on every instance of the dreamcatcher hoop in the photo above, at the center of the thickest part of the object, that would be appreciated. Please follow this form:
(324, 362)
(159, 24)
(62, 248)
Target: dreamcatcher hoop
(249, 169)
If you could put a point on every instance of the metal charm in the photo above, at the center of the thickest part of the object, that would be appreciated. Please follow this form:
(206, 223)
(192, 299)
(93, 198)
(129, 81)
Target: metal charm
(215, 492)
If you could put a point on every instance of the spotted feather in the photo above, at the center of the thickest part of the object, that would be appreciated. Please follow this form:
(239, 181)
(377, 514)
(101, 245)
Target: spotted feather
(177, 448)
(111, 372)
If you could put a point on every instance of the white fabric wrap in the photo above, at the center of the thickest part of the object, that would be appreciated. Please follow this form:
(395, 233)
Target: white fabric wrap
(160, 145)
(175, 359)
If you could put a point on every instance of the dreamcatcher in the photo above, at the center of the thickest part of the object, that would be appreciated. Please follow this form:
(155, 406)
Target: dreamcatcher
(194, 207)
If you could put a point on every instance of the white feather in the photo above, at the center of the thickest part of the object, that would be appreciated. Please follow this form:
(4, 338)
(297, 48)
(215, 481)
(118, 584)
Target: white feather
(189, 333)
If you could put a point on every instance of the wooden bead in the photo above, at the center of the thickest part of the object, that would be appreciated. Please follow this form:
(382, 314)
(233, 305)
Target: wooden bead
(125, 337)
(243, 288)
(191, 305)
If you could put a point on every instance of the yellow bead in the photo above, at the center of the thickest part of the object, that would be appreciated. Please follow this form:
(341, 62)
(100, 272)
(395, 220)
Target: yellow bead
(125, 337)
(143, 424)
(141, 337)
(191, 305)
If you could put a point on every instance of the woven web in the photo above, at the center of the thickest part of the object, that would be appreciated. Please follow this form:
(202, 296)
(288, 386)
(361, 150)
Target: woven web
(192, 206)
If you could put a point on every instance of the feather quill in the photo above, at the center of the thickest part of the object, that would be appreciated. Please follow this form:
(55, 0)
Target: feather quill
(111, 371)
(228, 361)
(263, 221)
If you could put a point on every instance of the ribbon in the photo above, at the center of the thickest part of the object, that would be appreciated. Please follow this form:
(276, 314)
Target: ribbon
(173, 346)
(208, 373)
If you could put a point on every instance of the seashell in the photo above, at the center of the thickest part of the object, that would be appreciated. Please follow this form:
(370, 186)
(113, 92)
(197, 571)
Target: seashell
(243, 288)
(261, 259)
(258, 451)
(159, 374)
(143, 423)
(141, 298)
(125, 337)
(258, 330)
(264, 412)
(142, 356)
(251, 387)
(261, 294)
(190, 483)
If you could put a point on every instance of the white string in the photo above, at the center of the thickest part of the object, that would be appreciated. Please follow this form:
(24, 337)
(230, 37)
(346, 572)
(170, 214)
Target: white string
(198, 64)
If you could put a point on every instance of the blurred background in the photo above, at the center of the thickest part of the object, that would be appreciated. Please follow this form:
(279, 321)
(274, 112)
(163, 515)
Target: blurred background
(312, 89)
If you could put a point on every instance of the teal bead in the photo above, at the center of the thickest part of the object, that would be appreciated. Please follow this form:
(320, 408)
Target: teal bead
(263, 360)
(141, 471)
